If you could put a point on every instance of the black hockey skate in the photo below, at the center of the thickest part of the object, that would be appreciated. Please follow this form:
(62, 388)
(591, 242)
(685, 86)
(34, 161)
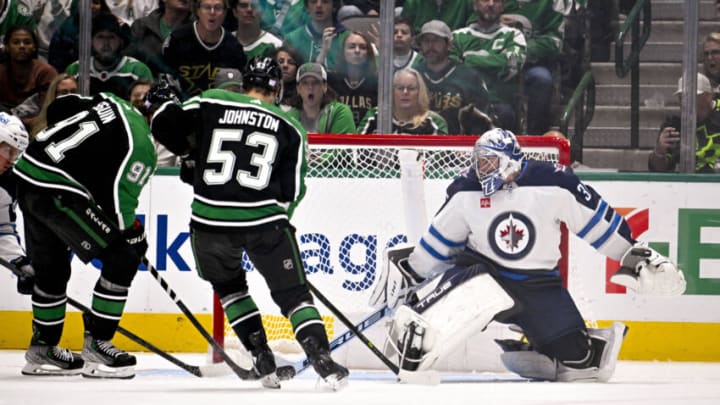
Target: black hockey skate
(263, 360)
(51, 360)
(104, 360)
(333, 373)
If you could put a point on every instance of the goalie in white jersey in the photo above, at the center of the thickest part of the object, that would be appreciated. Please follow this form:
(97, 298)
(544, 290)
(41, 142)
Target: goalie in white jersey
(491, 253)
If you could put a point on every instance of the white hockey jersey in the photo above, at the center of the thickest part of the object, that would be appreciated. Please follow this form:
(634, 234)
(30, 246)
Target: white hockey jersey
(518, 227)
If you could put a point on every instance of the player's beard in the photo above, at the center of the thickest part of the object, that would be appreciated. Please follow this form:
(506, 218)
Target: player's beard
(107, 58)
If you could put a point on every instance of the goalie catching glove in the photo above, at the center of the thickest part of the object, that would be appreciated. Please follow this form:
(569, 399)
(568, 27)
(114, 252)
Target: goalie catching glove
(397, 281)
(646, 271)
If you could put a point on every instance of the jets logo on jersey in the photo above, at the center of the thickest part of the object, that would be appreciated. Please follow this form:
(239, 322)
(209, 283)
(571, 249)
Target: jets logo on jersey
(511, 235)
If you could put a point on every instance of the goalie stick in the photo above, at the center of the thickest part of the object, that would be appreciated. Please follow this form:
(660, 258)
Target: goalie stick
(283, 373)
(194, 370)
(426, 377)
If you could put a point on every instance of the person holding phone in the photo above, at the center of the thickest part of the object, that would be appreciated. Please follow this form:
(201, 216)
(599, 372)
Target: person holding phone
(666, 155)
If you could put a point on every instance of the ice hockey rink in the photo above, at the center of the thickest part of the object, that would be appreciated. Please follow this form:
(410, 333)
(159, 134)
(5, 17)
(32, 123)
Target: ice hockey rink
(159, 382)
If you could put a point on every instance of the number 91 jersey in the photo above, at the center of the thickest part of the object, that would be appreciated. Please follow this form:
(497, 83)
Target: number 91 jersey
(99, 148)
(250, 159)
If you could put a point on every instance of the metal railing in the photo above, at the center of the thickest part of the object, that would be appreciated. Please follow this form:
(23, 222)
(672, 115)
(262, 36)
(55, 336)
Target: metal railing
(642, 8)
(582, 107)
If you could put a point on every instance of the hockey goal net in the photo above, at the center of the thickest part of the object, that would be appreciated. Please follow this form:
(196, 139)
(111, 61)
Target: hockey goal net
(366, 193)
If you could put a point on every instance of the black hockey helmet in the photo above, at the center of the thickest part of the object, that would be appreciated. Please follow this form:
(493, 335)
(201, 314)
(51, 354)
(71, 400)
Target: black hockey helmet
(158, 94)
(263, 72)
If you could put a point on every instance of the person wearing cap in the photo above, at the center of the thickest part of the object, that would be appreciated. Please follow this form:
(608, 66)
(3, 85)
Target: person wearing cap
(229, 79)
(315, 105)
(321, 39)
(666, 155)
(110, 71)
(464, 107)
(195, 52)
(255, 40)
(355, 78)
(498, 53)
(63, 48)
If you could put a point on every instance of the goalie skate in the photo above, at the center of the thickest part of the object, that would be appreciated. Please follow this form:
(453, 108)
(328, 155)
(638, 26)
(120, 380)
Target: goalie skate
(104, 360)
(51, 361)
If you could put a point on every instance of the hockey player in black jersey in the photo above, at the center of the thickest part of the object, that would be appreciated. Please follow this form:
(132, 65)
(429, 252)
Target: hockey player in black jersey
(492, 251)
(78, 187)
(249, 176)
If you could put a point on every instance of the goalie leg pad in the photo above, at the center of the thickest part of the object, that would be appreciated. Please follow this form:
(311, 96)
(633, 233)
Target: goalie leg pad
(606, 347)
(450, 320)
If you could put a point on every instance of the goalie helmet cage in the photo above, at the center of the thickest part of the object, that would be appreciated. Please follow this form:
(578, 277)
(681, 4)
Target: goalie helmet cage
(366, 193)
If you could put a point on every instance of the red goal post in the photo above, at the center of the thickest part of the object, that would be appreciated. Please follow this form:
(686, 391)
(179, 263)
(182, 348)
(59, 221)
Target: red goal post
(361, 198)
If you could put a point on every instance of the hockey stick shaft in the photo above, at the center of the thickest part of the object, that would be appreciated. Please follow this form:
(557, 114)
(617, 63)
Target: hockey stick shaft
(370, 345)
(369, 321)
(239, 371)
(194, 370)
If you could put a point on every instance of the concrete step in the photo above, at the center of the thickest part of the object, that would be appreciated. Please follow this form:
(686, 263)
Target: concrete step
(650, 73)
(658, 95)
(675, 10)
(632, 160)
(618, 136)
(658, 52)
(619, 116)
(672, 30)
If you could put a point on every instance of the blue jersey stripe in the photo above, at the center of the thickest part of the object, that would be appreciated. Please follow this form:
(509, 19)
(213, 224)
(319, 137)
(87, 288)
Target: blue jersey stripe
(617, 219)
(434, 253)
(594, 220)
(447, 242)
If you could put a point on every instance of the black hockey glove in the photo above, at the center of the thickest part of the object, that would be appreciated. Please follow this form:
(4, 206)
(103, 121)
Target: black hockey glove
(26, 281)
(135, 236)
(187, 169)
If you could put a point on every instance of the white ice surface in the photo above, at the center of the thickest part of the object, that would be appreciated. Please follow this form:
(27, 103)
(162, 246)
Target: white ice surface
(160, 383)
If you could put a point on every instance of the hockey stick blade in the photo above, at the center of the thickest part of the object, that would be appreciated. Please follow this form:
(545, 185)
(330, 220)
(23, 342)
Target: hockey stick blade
(242, 373)
(339, 341)
(194, 370)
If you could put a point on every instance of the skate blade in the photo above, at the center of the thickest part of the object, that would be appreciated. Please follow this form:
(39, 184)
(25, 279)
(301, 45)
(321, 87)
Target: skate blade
(331, 382)
(427, 377)
(49, 370)
(98, 370)
(271, 381)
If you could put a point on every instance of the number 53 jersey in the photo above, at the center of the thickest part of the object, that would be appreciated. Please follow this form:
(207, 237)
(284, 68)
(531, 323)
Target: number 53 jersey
(250, 160)
(99, 148)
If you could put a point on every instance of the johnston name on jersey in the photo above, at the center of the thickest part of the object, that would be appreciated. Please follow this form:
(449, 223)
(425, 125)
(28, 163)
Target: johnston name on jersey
(99, 148)
(250, 158)
(518, 227)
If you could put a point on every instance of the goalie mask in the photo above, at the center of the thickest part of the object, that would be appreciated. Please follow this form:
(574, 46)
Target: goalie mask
(496, 156)
(13, 133)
